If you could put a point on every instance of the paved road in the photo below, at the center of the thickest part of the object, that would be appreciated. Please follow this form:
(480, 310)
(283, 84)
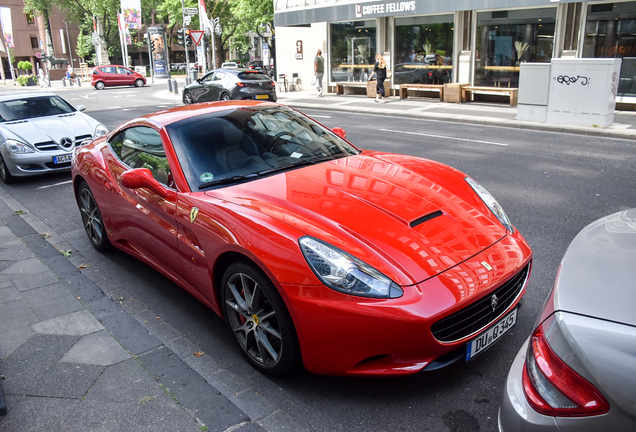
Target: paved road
(550, 184)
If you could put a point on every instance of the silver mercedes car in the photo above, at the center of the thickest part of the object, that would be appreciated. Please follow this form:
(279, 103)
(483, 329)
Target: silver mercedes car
(577, 371)
(38, 132)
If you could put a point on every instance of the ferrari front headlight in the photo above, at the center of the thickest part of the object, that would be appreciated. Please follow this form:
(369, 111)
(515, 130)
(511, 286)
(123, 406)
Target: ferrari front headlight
(345, 273)
(492, 204)
(18, 147)
(100, 130)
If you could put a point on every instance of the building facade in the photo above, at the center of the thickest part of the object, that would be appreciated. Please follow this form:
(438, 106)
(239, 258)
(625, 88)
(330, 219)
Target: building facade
(29, 36)
(481, 42)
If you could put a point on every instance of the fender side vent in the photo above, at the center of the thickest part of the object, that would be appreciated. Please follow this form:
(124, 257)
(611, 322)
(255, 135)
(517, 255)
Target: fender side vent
(428, 217)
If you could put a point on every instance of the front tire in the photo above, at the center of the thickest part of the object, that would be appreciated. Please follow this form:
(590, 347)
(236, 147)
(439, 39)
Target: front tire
(258, 320)
(187, 98)
(139, 83)
(99, 85)
(92, 218)
(5, 175)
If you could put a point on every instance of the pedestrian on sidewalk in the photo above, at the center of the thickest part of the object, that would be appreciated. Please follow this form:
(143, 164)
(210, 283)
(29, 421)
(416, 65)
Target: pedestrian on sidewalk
(319, 71)
(379, 71)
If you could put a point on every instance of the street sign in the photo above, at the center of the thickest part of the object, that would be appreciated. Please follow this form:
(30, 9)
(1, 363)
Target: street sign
(187, 20)
(38, 55)
(191, 11)
(196, 35)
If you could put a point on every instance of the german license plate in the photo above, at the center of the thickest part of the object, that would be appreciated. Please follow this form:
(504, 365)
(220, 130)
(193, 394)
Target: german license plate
(490, 336)
(262, 97)
(62, 159)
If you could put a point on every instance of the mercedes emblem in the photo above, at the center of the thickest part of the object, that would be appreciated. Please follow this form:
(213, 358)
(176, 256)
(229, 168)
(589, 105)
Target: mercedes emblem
(66, 142)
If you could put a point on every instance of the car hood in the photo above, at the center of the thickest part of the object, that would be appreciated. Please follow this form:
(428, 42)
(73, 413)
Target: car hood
(50, 128)
(597, 276)
(371, 205)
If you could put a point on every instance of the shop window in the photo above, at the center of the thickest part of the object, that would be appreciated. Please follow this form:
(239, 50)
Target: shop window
(423, 50)
(610, 32)
(34, 42)
(506, 40)
(353, 48)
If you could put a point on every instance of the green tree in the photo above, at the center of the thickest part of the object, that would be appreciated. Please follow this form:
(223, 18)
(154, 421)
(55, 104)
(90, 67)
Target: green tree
(256, 16)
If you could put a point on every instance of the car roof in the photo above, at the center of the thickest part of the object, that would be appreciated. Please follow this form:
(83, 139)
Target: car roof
(172, 115)
(24, 95)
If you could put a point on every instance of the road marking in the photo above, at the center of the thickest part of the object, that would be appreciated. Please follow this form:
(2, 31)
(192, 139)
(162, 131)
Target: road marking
(113, 107)
(320, 116)
(126, 109)
(446, 137)
(56, 184)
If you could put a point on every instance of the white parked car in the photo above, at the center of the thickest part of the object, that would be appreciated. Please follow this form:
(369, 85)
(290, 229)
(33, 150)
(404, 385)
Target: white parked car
(229, 65)
(38, 132)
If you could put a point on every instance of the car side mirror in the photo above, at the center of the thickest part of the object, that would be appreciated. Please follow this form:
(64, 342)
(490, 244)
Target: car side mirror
(142, 178)
(80, 108)
(340, 132)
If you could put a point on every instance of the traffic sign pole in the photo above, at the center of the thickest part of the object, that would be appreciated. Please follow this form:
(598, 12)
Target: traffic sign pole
(185, 46)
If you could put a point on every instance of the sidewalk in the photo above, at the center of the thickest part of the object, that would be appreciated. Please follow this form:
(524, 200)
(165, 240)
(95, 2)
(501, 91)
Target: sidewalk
(79, 354)
(483, 113)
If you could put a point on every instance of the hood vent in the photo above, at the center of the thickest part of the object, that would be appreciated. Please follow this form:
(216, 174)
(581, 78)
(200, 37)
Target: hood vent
(426, 218)
(17, 122)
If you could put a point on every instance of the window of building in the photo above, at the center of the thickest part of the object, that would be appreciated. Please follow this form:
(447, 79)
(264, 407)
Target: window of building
(353, 48)
(34, 42)
(424, 49)
(30, 18)
(610, 32)
(507, 38)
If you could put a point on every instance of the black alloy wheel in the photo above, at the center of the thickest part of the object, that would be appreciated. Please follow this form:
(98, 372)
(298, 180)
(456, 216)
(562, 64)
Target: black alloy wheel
(92, 218)
(187, 97)
(257, 317)
(5, 175)
(225, 97)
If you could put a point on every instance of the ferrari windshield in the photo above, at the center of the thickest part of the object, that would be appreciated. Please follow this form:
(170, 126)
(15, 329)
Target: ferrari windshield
(30, 107)
(242, 144)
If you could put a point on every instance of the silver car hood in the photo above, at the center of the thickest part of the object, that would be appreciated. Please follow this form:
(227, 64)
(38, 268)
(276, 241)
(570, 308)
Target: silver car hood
(50, 128)
(597, 277)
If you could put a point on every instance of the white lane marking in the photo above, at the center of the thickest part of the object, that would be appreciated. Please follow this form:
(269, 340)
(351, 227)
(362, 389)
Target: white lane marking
(113, 107)
(320, 116)
(55, 184)
(126, 109)
(446, 137)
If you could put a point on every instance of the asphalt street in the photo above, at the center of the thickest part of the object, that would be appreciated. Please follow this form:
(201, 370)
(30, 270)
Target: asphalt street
(551, 184)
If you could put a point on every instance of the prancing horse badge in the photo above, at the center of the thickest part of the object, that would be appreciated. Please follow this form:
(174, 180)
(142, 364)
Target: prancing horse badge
(193, 214)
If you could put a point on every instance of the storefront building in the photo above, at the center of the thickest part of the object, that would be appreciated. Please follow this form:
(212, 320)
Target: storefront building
(481, 42)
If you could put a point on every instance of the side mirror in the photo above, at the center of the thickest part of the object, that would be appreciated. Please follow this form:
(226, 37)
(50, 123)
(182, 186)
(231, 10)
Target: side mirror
(340, 132)
(142, 178)
(80, 107)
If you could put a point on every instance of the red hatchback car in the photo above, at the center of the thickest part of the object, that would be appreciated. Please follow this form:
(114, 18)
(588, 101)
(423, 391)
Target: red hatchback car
(314, 252)
(113, 75)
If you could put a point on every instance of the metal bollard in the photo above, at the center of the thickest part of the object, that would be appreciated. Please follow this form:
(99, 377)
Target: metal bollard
(187, 80)
(175, 87)
(169, 86)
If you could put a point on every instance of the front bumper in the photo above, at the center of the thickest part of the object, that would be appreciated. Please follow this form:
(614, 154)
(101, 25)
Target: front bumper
(348, 335)
(29, 164)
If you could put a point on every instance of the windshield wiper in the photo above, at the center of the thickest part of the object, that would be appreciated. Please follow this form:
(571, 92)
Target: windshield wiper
(228, 180)
(298, 163)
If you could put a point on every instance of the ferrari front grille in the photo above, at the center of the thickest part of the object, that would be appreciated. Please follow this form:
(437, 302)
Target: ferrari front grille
(480, 314)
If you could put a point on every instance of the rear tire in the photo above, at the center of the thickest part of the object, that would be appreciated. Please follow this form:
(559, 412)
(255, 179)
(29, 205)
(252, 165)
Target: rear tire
(92, 218)
(260, 324)
(225, 97)
(5, 175)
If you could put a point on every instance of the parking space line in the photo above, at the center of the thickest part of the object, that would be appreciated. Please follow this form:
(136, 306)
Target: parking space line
(447, 137)
(55, 184)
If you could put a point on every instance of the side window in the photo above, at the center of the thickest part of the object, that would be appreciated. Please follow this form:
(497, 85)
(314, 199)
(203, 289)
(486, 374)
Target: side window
(108, 70)
(208, 77)
(141, 147)
(219, 76)
(122, 71)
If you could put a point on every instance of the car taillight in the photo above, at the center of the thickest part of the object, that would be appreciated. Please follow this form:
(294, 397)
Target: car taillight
(553, 388)
(241, 84)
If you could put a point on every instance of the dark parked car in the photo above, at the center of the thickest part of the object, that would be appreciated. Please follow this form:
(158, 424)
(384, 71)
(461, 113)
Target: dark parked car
(230, 84)
(113, 75)
(255, 65)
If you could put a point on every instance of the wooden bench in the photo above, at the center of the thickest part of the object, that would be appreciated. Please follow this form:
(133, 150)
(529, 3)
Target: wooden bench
(340, 86)
(404, 89)
(513, 92)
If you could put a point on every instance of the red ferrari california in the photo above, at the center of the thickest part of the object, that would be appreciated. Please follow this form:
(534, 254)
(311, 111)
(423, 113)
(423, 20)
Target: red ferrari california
(314, 252)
